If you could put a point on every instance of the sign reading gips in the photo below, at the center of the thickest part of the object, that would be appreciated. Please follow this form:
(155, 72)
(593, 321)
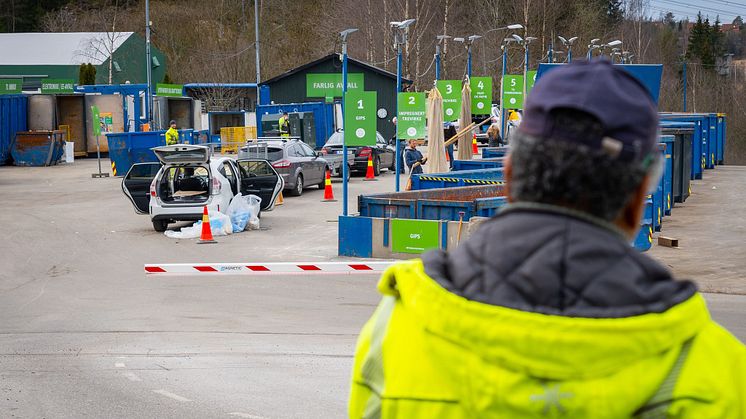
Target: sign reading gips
(481, 95)
(451, 92)
(512, 87)
(360, 118)
(413, 236)
(50, 86)
(10, 86)
(172, 90)
(329, 85)
(410, 121)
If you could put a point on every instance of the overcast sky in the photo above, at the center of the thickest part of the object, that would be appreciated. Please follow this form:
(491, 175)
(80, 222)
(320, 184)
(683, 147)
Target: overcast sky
(726, 9)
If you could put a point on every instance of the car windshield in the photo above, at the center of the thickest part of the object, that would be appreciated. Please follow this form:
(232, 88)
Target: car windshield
(335, 139)
(273, 153)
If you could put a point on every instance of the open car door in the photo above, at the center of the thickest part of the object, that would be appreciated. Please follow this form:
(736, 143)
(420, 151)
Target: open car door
(259, 178)
(136, 185)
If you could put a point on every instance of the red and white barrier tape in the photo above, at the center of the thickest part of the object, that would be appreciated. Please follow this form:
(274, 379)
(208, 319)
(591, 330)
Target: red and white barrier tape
(343, 268)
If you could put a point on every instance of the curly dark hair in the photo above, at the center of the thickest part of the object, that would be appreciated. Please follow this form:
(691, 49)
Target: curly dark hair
(571, 175)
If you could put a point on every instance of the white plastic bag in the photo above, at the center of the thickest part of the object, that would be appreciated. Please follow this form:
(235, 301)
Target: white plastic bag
(220, 225)
(244, 212)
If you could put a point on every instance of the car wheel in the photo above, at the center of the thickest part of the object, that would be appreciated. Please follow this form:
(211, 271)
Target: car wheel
(298, 190)
(377, 166)
(160, 225)
(392, 168)
(322, 185)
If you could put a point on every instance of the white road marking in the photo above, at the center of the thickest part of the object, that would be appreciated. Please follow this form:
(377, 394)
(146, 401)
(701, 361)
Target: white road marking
(119, 365)
(131, 376)
(245, 415)
(168, 394)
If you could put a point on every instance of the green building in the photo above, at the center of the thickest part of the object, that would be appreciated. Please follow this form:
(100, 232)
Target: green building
(36, 56)
(295, 85)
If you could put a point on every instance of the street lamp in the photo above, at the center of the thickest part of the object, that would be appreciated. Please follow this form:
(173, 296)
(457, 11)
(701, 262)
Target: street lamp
(615, 52)
(148, 69)
(468, 41)
(345, 169)
(441, 38)
(554, 59)
(524, 42)
(593, 45)
(613, 43)
(504, 47)
(401, 30)
(568, 43)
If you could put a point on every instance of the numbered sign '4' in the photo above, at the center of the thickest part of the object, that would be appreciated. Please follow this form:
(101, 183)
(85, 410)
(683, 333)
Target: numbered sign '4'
(360, 118)
(481, 95)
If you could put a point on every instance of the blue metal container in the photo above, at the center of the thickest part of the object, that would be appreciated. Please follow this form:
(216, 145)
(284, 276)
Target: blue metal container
(38, 148)
(668, 141)
(457, 179)
(683, 133)
(492, 163)
(721, 138)
(491, 152)
(323, 117)
(128, 148)
(644, 239)
(659, 200)
(699, 139)
(434, 204)
(13, 119)
(710, 151)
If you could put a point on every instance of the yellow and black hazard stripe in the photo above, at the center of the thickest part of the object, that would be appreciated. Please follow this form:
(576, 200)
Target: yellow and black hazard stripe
(114, 168)
(455, 180)
(440, 179)
(483, 182)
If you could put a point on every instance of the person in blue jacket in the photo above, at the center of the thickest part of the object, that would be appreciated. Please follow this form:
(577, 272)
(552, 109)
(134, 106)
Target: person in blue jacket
(414, 158)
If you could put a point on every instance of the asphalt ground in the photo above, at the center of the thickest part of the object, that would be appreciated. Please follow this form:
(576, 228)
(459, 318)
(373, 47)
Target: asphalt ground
(84, 333)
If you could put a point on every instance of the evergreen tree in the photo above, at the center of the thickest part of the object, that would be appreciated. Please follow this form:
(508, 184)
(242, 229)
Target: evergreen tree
(614, 11)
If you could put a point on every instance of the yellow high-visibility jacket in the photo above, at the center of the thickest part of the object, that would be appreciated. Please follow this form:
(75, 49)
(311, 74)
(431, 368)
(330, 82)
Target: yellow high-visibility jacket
(430, 353)
(172, 136)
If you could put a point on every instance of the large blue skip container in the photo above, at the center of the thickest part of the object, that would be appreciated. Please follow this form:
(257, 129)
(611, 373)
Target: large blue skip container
(323, 117)
(699, 139)
(491, 152)
(128, 148)
(457, 179)
(492, 163)
(668, 199)
(721, 138)
(644, 239)
(38, 148)
(13, 119)
(435, 204)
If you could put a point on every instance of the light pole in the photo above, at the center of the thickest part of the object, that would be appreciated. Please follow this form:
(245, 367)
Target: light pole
(256, 49)
(148, 69)
(613, 43)
(504, 48)
(554, 59)
(401, 29)
(524, 42)
(593, 45)
(345, 169)
(468, 41)
(437, 55)
(684, 79)
(568, 43)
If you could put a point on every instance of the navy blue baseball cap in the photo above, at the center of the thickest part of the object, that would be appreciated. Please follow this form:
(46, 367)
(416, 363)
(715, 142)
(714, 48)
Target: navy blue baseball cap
(627, 115)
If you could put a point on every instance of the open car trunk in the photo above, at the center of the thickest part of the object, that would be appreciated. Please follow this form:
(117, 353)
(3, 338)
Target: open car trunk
(184, 184)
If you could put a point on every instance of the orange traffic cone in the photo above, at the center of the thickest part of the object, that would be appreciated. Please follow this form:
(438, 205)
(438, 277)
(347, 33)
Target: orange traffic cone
(206, 236)
(280, 200)
(474, 148)
(328, 192)
(369, 174)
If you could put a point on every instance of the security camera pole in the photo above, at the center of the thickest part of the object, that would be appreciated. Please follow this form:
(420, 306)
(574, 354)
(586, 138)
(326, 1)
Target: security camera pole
(345, 169)
(400, 38)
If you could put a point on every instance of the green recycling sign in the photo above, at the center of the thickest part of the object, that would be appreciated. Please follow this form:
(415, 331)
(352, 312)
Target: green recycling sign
(413, 236)
(10, 86)
(531, 79)
(410, 118)
(360, 118)
(96, 120)
(451, 92)
(481, 95)
(512, 91)
(329, 85)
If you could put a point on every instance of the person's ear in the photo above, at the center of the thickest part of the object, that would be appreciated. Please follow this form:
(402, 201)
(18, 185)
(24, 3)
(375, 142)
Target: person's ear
(508, 174)
(629, 219)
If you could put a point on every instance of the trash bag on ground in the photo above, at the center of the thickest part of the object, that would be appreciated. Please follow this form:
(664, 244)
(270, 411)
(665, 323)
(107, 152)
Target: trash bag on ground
(220, 225)
(244, 212)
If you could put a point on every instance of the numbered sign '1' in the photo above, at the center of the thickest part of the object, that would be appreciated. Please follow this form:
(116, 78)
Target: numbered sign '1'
(451, 92)
(360, 118)
(481, 95)
(512, 87)
(410, 121)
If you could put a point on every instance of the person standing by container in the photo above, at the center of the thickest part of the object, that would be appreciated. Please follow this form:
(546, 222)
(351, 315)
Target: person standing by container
(414, 158)
(547, 310)
(493, 134)
(172, 135)
(284, 125)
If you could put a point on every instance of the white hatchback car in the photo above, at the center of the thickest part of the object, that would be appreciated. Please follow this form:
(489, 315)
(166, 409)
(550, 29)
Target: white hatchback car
(187, 178)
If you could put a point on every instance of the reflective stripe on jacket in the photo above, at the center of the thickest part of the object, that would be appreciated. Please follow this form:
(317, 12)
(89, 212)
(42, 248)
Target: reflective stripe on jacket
(172, 136)
(429, 353)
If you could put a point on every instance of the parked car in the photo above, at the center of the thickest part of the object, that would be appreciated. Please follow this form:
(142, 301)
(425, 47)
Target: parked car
(187, 178)
(383, 154)
(298, 164)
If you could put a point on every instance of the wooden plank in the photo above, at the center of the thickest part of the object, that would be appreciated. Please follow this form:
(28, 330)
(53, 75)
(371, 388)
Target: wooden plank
(668, 241)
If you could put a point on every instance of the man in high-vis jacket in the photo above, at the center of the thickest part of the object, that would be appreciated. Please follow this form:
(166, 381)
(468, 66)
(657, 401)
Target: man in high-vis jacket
(547, 311)
(284, 125)
(172, 135)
